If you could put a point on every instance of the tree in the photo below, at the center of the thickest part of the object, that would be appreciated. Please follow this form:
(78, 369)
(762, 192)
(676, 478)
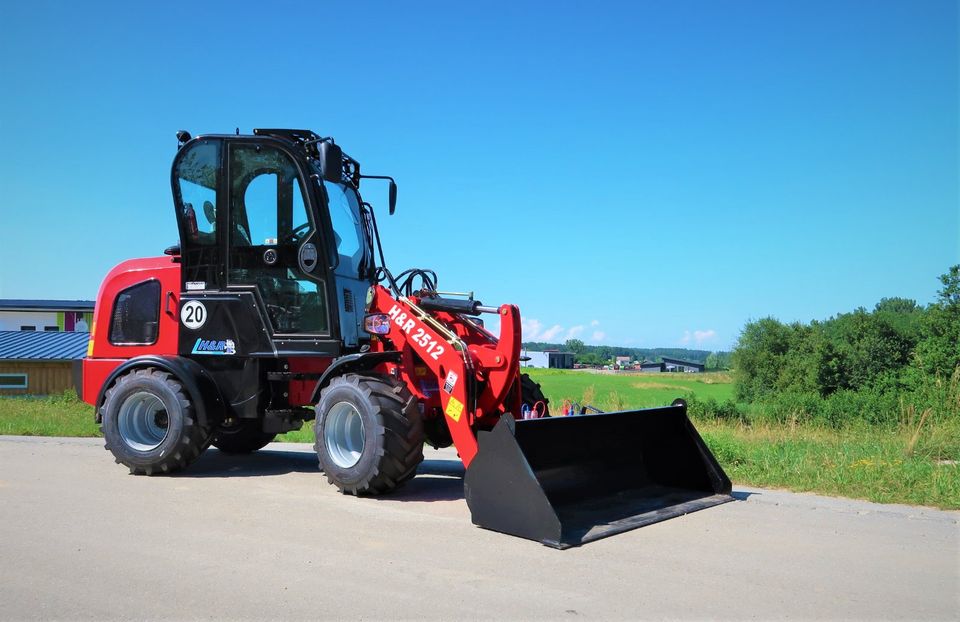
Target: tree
(896, 305)
(716, 361)
(938, 352)
(574, 345)
(759, 357)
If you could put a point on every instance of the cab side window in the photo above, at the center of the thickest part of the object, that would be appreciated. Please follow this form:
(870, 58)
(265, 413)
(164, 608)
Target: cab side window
(136, 315)
(197, 186)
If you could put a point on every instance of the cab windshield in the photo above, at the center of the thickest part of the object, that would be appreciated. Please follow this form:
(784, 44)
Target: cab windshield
(348, 227)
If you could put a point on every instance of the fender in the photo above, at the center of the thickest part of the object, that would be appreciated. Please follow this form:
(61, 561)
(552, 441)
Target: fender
(200, 387)
(364, 361)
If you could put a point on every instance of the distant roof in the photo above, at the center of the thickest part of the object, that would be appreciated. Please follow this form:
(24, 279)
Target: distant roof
(42, 345)
(13, 304)
(679, 362)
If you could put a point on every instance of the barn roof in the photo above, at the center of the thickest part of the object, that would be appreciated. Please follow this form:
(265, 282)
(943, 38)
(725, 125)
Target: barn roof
(671, 361)
(42, 345)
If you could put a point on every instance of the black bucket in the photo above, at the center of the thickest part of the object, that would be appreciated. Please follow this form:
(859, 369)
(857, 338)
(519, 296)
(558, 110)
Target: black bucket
(565, 481)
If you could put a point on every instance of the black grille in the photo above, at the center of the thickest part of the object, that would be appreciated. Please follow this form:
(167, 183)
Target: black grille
(347, 300)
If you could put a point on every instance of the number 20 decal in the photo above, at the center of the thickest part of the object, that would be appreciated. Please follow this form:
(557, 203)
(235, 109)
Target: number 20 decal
(193, 314)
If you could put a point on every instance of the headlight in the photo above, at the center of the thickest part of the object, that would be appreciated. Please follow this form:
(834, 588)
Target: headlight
(377, 323)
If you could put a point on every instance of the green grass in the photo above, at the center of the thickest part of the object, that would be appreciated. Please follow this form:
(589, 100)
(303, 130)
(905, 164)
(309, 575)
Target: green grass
(303, 435)
(914, 462)
(882, 465)
(59, 415)
(619, 391)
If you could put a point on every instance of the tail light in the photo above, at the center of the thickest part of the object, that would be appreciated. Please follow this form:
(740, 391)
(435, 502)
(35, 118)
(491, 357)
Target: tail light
(377, 323)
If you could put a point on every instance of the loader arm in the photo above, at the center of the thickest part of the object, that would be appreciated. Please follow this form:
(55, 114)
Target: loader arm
(476, 372)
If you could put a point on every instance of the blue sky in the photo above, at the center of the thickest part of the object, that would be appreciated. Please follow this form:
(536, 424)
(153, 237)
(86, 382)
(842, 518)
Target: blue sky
(641, 173)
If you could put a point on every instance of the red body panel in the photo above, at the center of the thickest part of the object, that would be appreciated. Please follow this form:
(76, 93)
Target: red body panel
(102, 356)
(301, 391)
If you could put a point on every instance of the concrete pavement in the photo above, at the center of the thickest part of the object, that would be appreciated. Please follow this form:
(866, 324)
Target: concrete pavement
(265, 537)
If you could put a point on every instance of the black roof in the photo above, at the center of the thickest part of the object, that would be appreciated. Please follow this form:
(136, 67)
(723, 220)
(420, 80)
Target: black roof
(679, 362)
(16, 304)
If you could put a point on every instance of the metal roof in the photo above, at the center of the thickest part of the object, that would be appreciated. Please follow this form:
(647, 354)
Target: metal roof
(680, 362)
(39, 345)
(14, 304)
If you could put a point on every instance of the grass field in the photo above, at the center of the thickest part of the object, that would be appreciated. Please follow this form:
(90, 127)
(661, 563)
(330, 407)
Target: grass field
(59, 415)
(914, 463)
(620, 391)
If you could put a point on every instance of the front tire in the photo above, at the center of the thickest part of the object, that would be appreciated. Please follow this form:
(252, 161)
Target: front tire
(241, 437)
(369, 434)
(149, 423)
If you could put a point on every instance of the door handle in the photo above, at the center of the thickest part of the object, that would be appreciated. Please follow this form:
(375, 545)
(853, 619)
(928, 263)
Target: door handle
(166, 306)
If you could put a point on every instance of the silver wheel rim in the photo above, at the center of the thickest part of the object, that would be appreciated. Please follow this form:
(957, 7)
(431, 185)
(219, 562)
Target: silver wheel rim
(143, 421)
(343, 434)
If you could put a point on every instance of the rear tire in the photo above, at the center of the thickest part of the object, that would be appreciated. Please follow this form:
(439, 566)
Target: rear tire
(531, 393)
(149, 423)
(369, 434)
(242, 437)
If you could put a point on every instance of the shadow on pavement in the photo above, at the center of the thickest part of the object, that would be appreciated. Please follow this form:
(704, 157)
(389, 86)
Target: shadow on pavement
(436, 480)
(215, 463)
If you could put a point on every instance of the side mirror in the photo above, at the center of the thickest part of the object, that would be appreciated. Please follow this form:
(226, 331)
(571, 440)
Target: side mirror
(393, 197)
(331, 161)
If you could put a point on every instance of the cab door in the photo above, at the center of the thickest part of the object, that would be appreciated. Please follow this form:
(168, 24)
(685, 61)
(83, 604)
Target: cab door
(273, 242)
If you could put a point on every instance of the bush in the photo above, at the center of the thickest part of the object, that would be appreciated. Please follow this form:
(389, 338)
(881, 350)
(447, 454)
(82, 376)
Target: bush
(790, 406)
(727, 410)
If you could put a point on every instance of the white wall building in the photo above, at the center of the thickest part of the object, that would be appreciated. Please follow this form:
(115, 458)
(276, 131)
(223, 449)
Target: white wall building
(46, 315)
(551, 358)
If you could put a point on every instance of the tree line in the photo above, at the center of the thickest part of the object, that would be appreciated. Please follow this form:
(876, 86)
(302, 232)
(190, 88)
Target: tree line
(880, 365)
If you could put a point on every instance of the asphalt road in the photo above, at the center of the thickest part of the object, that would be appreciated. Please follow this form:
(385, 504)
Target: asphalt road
(265, 537)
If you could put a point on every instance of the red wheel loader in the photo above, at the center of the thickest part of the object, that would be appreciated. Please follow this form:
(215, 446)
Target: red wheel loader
(277, 308)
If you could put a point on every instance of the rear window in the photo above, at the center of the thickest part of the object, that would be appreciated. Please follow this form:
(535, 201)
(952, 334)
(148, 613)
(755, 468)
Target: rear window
(136, 315)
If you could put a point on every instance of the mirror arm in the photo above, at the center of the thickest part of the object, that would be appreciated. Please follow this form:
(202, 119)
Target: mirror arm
(393, 189)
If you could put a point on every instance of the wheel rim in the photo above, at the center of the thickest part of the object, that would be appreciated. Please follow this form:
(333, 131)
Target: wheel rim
(343, 434)
(143, 421)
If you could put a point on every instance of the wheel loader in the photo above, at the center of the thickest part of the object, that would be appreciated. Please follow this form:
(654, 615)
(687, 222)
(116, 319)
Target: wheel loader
(277, 308)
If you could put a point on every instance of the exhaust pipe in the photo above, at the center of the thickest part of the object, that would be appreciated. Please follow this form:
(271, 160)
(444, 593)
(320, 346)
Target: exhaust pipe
(566, 481)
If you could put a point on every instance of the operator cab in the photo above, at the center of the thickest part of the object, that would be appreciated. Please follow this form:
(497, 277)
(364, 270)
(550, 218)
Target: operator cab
(274, 220)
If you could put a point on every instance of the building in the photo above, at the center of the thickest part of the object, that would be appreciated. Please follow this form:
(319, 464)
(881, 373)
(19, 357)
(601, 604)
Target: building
(550, 358)
(35, 362)
(46, 315)
(649, 366)
(677, 365)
